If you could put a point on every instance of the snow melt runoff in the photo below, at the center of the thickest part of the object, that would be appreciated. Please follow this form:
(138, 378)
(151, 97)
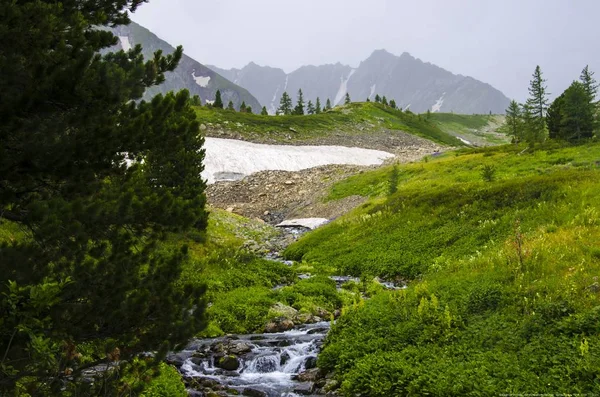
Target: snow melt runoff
(232, 157)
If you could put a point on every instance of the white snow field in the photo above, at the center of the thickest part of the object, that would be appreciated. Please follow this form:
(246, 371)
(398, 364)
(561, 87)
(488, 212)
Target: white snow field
(202, 81)
(230, 157)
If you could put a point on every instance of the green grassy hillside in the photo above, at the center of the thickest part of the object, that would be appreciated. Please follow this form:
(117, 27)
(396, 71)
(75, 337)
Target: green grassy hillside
(503, 271)
(353, 119)
(481, 130)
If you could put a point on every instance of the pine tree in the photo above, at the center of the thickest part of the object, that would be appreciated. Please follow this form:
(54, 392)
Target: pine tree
(577, 121)
(554, 117)
(590, 84)
(285, 105)
(243, 107)
(428, 115)
(218, 103)
(368, 99)
(384, 101)
(393, 104)
(230, 106)
(347, 99)
(95, 179)
(377, 99)
(513, 125)
(264, 112)
(299, 109)
(328, 104)
(196, 101)
(318, 106)
(310, 108)
(537, 105)
(249, 109)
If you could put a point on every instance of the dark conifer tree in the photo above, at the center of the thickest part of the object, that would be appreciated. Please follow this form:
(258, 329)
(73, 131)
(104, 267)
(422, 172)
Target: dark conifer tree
(553, 117)
(310, 108)
(347, 99)
(318, 106)
(513, 125)
(95, 179)
(218, 103)
(243, 107)
(230, 106)
(285, 105)
(264, 112)
(299, 109)
(328, 104)
(577, 121)
(377, 99)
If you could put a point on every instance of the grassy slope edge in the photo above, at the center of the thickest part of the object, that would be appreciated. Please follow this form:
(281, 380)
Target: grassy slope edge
(504, 296)
(353, 119)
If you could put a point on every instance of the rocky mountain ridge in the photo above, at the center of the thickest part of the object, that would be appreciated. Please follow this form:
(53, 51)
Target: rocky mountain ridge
(414, 84)
(190, 74)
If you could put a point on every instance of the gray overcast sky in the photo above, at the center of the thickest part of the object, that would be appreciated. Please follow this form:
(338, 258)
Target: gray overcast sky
(499, 42)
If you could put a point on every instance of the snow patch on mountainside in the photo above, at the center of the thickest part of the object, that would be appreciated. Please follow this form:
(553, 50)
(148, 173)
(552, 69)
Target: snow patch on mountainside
(201, 80)
(125, 44)
(438, 105)
(239, 157)
(373, 87)
(464, 141)
(343, 88)
(273, 107)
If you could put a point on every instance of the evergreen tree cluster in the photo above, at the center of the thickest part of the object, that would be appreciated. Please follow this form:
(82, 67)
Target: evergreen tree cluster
(384, 101)
(287, 108)
(570, 117)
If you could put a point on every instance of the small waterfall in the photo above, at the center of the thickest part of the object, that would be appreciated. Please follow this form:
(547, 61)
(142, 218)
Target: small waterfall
(266, 363)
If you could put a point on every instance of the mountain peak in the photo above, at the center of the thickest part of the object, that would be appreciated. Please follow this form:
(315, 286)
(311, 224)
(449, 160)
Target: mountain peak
(382, 54)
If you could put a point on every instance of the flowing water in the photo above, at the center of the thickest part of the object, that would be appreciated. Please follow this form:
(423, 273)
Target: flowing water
(267, 362)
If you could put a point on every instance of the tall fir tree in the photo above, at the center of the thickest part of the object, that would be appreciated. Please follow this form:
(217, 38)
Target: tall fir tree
(285, 105)
(368, 99)
(384, 101)
(554, 117)
(243, 107)
(264, 112)
(347, 99)
(513, 126)
(230, 106)
(328, 104)
(218, 103)
(318, 106)
(590, 84)
(577, 121)
(249, 109)
(310, 108)
(393, 104)
(299, 109)
(537, 105)
(377, 98)
(95, 179)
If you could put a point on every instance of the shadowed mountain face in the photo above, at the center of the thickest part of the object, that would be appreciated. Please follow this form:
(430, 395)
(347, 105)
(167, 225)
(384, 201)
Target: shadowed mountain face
(190, 74)
(413, 83)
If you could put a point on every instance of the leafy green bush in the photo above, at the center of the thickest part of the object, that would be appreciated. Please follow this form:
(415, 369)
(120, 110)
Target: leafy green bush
(308, 294)
(167, 384)
(242, 310)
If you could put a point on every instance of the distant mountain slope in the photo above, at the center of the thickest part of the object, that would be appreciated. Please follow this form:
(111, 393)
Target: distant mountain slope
(190, 74)
(413, 83)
